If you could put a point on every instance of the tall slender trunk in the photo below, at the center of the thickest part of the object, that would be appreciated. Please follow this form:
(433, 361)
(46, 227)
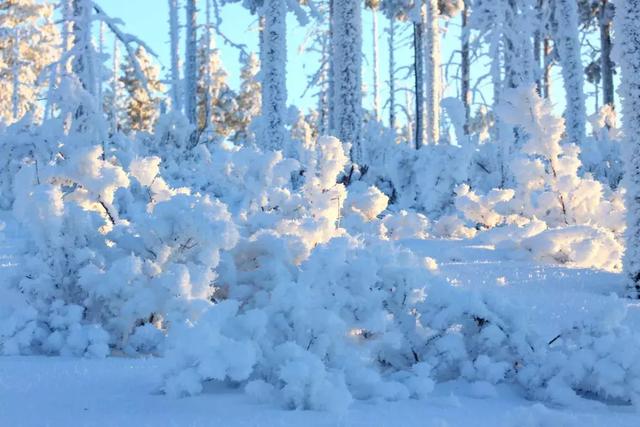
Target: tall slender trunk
(392, 73)
(376, 65)
(15, 70)
(273, 58)
(99, 97)
(208, 79)
(62, 68)
(83, 61)
(115, 89)
(568, 43)
(519, 70)
(410, 119)
(604, 23)
(325, 87)
(433, 78)
(191, 69)
(537, 46)
(176, 99)
(347, 53)
(418, 71)
(67, 26)
(627, 33)
(331, 83)
(465, 68)
(547, 66)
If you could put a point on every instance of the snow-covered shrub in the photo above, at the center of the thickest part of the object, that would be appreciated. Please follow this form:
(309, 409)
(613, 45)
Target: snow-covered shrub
(405, 225)
(341, 324)
(64, 239)
(219, 344)
(578, 246)
(108, 252)
(484, 169)
(18, 148)
(18, 323)
(170, 142)
(583, 219)
(64, 207)
(548, 184)
(594, 357)
(422, 180)
(601, 154)
(364, 203)
(163, 271)
(481, 209)
(484, 339)
(453, 227)
(474, 335)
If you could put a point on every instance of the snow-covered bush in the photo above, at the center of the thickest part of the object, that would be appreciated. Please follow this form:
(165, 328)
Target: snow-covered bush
(472, 335)
(163, 271)
(18, 148)
(546, 173)
(481, 209)
(64, 210)
(405, 225)
(586, 360)
(583, 219)
(109, 252)
(422, 180)
(342, 324)
(601, 153)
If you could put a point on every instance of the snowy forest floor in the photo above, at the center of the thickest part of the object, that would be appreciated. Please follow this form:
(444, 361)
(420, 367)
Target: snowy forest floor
(40, 391)
(37, 391)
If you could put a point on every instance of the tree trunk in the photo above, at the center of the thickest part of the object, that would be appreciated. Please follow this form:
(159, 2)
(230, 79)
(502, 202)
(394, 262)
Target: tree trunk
(176, 99)
(99, 96)
(332, 93)
(376, 65)
(418, 70)
(518, 52)
(568, 42)
(191, 68)
(82, 64)
(433, 78)
(273, 58)
(465, 69)
(548, 64)
(627, 33)
(537, 46)
(604, 23)
(115, 89)
(347, 53)
(15, 70)
(324, 100)
(208, 78)
(392, 73)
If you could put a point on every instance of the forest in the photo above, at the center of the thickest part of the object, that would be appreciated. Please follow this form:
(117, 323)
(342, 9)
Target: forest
(442, 228)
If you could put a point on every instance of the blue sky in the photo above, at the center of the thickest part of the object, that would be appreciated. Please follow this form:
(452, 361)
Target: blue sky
(147, 19)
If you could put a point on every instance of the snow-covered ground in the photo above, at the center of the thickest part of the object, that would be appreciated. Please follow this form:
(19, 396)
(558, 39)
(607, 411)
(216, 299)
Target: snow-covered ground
(38, 391)
(117, 391)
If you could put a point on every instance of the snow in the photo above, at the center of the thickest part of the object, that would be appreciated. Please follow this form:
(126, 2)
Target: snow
(306, 292)
(125, 391)
(122, 392)
(235, 265)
